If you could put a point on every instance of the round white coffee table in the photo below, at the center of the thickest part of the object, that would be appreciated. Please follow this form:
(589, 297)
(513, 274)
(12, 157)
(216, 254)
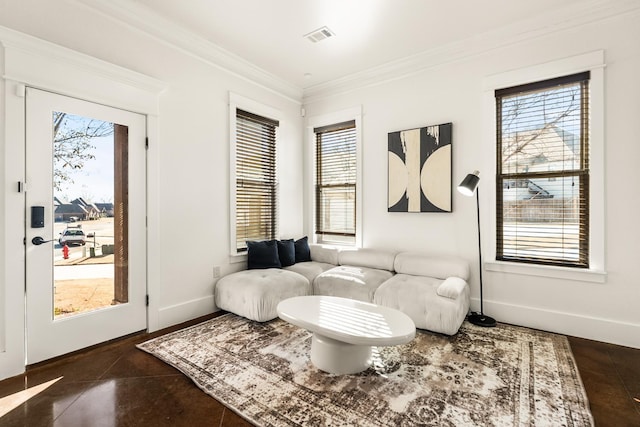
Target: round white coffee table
(344, 330)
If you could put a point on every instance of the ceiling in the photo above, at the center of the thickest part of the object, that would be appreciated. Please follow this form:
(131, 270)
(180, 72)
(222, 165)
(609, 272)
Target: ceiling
(368, 33)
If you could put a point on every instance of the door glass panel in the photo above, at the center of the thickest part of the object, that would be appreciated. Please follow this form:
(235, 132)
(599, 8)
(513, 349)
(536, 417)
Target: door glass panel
(90, 179)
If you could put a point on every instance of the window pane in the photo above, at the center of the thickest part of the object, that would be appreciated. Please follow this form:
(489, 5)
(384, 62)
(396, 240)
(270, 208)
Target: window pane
(542, 218)
(90, 205)
(337, 210)
(541, 130)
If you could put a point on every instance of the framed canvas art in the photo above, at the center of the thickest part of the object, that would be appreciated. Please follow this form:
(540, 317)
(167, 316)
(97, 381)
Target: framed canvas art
(420, 169)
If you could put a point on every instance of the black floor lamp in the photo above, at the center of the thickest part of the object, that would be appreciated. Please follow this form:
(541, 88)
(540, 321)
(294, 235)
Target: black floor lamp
(468, 186)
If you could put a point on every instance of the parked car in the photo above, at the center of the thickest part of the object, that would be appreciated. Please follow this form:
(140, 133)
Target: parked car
(72, 236)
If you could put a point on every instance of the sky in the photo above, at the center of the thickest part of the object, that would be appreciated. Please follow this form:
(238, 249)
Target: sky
(94, 182)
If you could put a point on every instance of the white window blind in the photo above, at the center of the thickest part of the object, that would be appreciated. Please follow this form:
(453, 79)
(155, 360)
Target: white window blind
(336, 183)
(542, 183)
(255, 178)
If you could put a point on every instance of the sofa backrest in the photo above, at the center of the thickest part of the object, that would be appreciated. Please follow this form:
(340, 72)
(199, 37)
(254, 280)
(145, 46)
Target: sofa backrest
(324, 254)
(437, 266)
(372, 258)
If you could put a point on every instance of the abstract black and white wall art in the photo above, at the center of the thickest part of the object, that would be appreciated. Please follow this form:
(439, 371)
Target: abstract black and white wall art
(420, 169)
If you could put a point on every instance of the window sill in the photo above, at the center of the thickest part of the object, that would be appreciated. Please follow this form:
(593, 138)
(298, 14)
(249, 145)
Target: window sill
(335, 245)
(237, 258)
(581, 275)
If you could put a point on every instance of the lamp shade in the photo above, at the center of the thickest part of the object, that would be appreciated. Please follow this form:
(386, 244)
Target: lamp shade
(469, 183)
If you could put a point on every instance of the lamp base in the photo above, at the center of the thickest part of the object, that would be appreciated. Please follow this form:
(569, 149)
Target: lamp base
(480, 319)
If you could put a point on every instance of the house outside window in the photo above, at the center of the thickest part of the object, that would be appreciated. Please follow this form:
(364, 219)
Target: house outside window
(542, 188)
(335, 189)
(255, 178)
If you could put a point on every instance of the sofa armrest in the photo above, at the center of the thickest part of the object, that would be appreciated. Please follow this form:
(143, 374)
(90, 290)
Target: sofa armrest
(370, 258)
(451, 288)
(325, 254)
(438, 266)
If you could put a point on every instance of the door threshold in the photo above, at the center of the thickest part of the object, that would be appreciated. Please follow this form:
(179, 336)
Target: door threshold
(74, 354)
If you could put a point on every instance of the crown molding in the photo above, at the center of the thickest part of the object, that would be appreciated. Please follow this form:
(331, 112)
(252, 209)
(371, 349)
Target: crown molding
(30, 45)
(26, 56)
(559, 20)
(143, 20)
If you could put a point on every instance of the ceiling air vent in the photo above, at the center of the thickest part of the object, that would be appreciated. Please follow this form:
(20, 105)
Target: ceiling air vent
(319, 34)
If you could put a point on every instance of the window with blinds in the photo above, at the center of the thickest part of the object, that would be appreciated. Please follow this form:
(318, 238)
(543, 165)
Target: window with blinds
(542, 188)
(255, 178)
(336, 183)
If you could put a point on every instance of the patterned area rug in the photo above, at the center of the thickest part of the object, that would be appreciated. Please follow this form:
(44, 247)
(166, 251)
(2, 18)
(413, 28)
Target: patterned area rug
(502, 376)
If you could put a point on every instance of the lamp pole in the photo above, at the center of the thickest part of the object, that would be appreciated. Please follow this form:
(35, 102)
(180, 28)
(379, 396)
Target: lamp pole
(479, 318)
(479, 246)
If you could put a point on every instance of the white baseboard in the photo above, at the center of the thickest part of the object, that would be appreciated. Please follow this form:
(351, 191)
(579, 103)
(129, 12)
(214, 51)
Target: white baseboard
(11, 364)
(593, 328)
(178, 313)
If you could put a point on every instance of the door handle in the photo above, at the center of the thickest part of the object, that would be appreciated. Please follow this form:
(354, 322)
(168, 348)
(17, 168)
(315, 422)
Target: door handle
(39, 240)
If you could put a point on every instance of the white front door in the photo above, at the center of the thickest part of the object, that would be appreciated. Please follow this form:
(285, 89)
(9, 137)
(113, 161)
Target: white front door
(85, 227)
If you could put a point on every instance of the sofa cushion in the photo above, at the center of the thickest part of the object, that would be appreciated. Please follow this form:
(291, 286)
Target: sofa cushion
(417, 297)
(372, 258)
(263, 254)
(301, 247)
(438, 266)
(310, 269)
(359, 283)
(324, 254)
(286, 252)
(255, 294)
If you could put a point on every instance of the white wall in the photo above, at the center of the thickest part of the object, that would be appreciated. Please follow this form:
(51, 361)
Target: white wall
(188, 166)
(453, 92)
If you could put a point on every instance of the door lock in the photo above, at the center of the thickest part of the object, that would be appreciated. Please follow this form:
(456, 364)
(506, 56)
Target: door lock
(37, 216)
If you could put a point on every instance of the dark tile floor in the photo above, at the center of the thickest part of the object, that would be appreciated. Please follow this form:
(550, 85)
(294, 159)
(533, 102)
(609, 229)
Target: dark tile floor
(611, 377)
(116, 384)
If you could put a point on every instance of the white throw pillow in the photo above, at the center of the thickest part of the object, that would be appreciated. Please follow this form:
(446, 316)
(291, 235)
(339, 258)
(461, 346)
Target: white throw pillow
(451, 288)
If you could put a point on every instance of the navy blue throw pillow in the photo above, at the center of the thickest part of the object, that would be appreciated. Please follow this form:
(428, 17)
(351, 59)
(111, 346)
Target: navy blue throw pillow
(303, 253)
(262, 254)
(286, 252)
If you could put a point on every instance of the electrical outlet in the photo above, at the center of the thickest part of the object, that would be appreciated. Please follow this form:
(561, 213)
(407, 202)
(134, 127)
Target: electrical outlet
(216, 272)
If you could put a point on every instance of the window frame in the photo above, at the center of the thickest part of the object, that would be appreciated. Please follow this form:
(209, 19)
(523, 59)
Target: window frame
(314, 122)
(238, 102)
(324, 236)
(579, 171)
(594, 63)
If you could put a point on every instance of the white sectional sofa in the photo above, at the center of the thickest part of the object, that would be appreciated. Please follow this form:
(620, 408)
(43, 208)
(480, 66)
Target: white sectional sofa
(432, 290)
